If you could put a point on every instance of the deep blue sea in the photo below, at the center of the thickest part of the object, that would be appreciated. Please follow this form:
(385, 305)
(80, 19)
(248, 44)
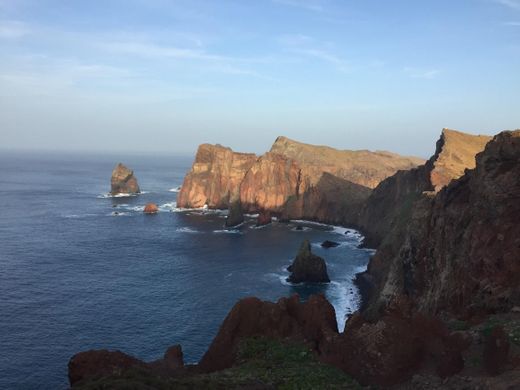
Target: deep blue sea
(75, 276)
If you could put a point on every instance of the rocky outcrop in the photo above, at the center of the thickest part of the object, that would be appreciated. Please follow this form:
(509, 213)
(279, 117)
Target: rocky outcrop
(329, 244)
(293, 180)
(460, 251)
(235, 216)
(123, 181)
(98, 363)
(94, 364)
(307, 267)
(312, 322)
(388, 208)
(264, 218)
(215, 177)
(151, 208)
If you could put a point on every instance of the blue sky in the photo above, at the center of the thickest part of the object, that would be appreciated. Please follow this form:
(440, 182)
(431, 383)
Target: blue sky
(158, 75)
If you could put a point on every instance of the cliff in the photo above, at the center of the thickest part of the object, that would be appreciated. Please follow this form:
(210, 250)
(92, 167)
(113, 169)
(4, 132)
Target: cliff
(389, 205)
(293, 180)
(460, 251)
(215, 177)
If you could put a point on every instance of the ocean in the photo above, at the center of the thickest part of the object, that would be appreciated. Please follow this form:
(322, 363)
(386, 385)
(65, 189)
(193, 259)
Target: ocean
(81, 270)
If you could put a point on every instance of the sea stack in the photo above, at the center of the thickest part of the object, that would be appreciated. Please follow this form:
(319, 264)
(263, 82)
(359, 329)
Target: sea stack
(123, 181)
(307, 267)
(235, 216)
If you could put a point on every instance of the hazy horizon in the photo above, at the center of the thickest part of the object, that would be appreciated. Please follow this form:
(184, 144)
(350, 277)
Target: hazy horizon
(165, 76)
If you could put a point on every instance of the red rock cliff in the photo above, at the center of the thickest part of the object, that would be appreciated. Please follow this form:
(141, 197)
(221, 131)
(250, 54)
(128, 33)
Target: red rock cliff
(293, 180)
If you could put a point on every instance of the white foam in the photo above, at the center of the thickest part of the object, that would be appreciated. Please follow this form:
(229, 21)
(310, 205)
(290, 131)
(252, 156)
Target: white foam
(251, 215)
(186, 230)
(176, 189)
(170, 206)
(301, 229)
(120, 195)
(228, 231)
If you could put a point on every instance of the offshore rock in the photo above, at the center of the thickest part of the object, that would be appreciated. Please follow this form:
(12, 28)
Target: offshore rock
(329, 244)
(264, 218)
(235, 216)
(151, 208)
(307, 267)
(123, 181)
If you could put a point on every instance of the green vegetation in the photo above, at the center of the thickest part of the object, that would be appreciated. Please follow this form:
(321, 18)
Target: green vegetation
(262, 364)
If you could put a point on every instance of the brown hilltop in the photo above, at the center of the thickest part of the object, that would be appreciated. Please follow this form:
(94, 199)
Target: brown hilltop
(456, 153)
(361, 167)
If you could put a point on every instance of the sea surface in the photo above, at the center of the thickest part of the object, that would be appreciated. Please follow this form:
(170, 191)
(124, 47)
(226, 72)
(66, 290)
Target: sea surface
(82, 270)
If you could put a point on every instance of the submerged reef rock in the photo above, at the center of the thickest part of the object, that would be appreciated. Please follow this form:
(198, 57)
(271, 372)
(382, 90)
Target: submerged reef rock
(329, 244)
(307, 267)
(293, 181)
(151, 208)
(123, 181)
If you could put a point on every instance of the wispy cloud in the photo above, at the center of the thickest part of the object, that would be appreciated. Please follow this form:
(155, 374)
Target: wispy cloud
(309, 5)
(12, 29)
(513, 4)
(307, 46)
(416, 73)
(512, 24)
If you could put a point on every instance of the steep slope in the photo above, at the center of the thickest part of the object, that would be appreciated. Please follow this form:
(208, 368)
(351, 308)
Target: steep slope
(460, 251)
(215, 177)
(389, 205)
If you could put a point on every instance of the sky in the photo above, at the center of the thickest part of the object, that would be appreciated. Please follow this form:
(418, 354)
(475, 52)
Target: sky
(165, 76)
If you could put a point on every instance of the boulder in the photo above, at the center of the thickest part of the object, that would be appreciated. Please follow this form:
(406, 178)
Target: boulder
(329, 244)
(307, 267)
(151, 208)
(123, 181)
(264, 218)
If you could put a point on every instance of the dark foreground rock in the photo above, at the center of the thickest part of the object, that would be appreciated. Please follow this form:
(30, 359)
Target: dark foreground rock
(264, 218)
(307, 267)
(123, 181)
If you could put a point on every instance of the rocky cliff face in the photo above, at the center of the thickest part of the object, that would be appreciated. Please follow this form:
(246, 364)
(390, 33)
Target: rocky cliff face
(460, 251)
(389, 206)
(293, 180)
(123, 181)
(215, 177)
